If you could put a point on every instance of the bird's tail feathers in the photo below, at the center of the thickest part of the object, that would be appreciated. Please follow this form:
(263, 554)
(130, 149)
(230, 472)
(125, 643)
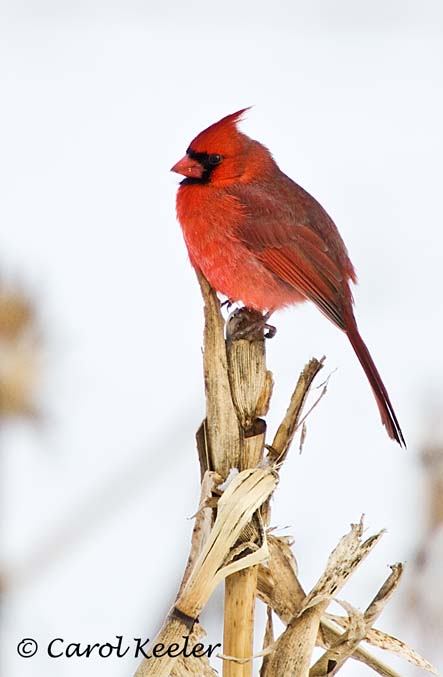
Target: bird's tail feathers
(387, 413)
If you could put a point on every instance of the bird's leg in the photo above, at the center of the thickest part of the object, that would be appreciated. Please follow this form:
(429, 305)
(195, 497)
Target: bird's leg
(249, 324)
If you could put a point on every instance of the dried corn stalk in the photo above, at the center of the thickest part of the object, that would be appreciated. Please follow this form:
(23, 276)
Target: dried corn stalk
(231, 540)
(19, 354)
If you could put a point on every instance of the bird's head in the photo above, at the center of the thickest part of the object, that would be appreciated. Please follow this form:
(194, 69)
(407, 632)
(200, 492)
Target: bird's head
(220, 154)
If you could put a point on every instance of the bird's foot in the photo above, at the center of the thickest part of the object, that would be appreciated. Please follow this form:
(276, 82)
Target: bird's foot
(250, 325)
(271, 330)
(228, 303)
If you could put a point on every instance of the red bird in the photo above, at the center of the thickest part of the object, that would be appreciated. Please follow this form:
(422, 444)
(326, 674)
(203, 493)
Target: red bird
(261, 239)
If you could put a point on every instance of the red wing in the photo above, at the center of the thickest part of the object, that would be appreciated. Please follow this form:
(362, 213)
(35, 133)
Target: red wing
(294, 238)
(290, 265)
(291, 234)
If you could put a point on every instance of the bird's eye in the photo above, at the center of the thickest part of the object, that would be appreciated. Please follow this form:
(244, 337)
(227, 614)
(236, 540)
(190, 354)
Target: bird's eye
(214, 159)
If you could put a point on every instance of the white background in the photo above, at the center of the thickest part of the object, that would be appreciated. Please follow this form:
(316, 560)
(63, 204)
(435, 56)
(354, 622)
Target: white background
(98, 101)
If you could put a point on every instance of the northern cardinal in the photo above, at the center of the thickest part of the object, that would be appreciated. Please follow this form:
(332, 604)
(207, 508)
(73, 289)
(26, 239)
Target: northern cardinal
(259, 238)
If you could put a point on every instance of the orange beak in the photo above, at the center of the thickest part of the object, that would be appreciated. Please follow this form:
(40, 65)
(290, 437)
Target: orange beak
(188, 167)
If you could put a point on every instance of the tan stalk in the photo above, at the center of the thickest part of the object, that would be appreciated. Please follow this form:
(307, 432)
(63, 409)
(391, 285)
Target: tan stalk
(231, 540)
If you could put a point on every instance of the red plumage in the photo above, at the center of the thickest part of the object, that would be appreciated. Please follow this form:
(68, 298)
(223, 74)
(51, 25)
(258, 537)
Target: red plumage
(261, 239)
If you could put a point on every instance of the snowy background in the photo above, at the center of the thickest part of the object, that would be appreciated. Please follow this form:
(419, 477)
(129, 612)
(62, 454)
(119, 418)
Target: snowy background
(98, 101)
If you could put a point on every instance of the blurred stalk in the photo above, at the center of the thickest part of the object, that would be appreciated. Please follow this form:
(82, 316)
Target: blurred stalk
(19, 363)
(19, 355)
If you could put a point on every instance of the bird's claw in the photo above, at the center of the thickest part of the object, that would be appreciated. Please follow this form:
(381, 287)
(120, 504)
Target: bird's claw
(271, 331)
(250, 325)
(228, 303)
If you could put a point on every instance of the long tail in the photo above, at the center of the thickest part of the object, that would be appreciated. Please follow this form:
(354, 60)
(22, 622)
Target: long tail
(387, 413)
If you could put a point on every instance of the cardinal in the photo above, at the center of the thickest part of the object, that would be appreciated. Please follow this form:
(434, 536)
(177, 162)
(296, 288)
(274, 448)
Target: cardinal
(261, 239)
